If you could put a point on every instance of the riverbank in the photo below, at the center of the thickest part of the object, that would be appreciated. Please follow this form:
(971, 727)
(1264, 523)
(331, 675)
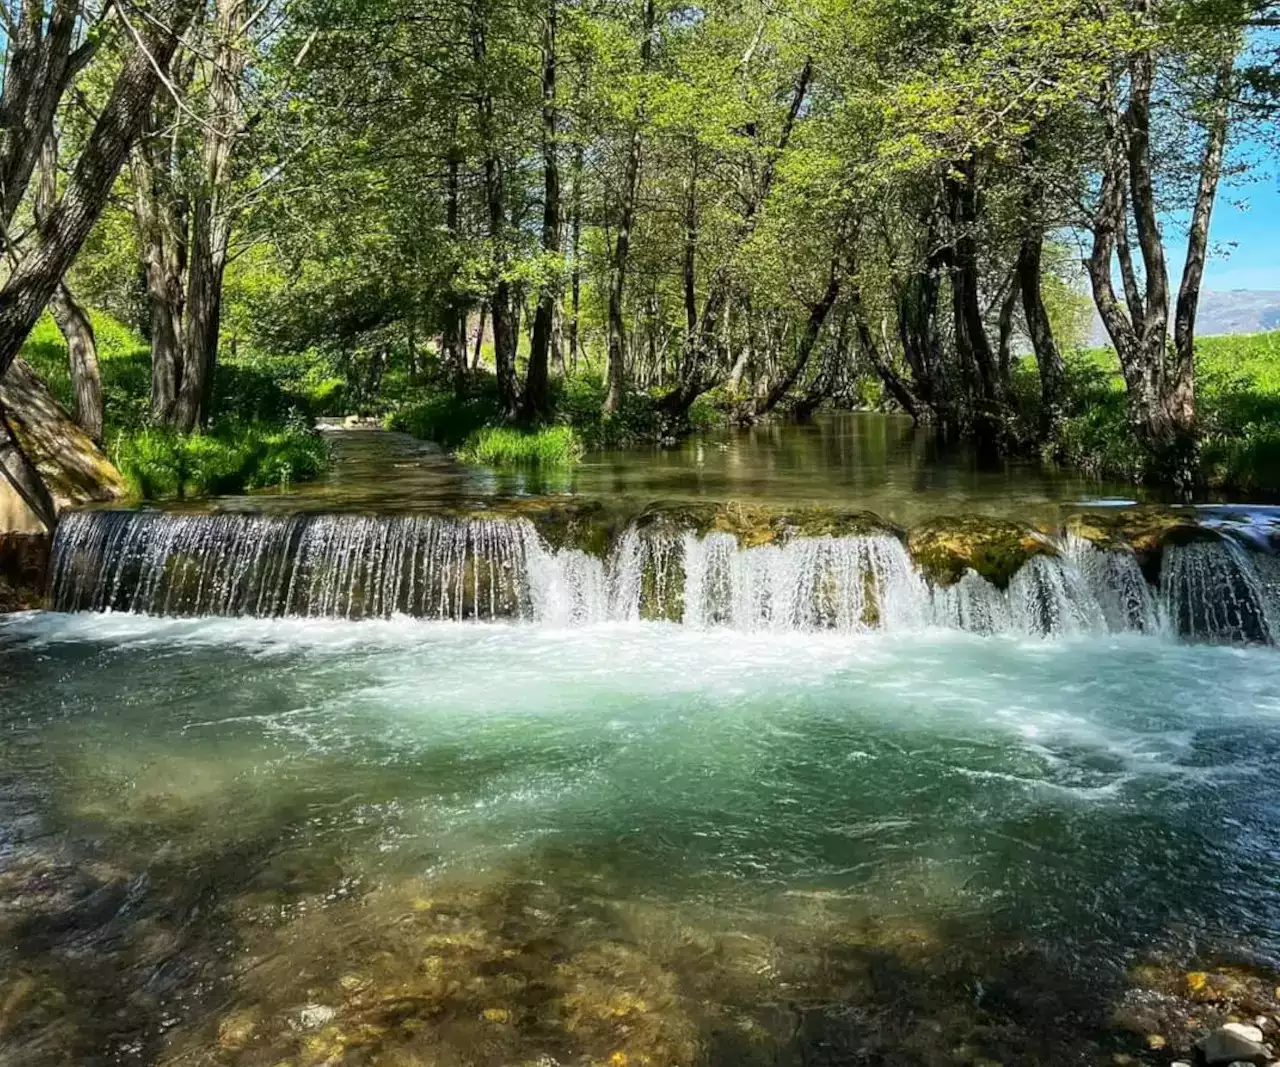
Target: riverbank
(260, 435)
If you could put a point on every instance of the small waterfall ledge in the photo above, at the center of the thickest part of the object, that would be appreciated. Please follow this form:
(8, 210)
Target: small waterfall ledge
(1191, 582)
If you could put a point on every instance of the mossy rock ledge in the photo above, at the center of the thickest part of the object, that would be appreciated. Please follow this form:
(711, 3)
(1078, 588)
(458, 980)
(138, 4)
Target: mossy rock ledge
(754, 525)
(1146, 532)
(945, 548)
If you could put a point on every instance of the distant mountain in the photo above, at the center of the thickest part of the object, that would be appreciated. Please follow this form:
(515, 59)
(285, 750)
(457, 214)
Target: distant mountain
(1223, 311)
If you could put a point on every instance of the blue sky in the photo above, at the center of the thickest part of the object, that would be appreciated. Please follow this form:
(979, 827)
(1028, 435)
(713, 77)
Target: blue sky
(1245, 233)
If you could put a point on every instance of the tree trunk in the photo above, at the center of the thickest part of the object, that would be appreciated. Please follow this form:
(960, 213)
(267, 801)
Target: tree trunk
(506, 329)
(72, 321)
(39, 66)
(454, 330)
(879, 360)
(812, 328)
(575, 273)
(689, 271)
(210, 233)
(616, 352)
(161, 224)
(82, 352)
(537, 396)
(694, 378)
(18, 470)
(475, 359)
(989, 408)
(1159, 378)
(32, 282)
(1048, 358)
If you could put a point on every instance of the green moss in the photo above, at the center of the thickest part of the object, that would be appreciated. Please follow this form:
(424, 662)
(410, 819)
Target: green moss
(945, 548)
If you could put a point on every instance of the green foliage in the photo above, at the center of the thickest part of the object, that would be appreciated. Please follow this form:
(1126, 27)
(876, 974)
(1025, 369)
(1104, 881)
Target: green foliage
(505, 446)
(446, 418)
(1238, 397)
(160, 464)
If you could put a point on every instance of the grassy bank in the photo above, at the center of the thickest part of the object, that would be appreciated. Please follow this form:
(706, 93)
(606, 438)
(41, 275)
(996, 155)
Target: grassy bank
(1238, 400)
(472, 426)
(259, 435)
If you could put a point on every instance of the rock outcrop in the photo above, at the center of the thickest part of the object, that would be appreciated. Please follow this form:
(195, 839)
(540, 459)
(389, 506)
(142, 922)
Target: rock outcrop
(72, 467)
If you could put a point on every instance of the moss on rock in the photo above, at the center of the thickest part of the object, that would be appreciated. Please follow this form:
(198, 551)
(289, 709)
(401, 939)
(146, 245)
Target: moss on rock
(945, 548)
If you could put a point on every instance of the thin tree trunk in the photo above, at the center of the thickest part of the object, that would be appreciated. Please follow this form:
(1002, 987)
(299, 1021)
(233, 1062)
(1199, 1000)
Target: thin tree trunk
(72, 321)
(454, 331)
(1048, 358)
(575, 275)
(537, 396)
(616, 353)
(39, 66)
(161, 228)
(694, 379)
(82, 353)
(210, 220)
(475, 359)
(812, 328)
(689, 271)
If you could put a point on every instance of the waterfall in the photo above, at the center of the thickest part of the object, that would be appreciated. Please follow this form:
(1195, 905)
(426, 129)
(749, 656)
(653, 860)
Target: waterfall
(331, 566)
(1214, 592)
(438, 567)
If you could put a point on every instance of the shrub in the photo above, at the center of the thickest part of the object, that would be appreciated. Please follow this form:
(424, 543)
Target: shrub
(501, 446)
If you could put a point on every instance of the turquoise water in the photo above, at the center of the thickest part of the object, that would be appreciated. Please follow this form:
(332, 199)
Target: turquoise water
(258, 840)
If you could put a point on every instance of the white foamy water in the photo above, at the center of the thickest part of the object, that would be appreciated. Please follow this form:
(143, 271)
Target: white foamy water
(358, 567)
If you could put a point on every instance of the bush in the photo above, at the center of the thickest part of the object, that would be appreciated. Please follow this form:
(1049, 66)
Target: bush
(501, 446)
(161, 463)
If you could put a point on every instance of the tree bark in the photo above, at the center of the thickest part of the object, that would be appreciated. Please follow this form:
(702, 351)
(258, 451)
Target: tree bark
(694, 379)
(39, 66)
(1159, 377)
(575, 274)
(537, 396)
(161, 224)
(506, 329)
(82, 354)
(454, 331)
(32, 282)
(72, 321)
(1048, 357)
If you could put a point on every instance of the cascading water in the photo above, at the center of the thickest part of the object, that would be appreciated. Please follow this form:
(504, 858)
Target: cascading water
(350, 566)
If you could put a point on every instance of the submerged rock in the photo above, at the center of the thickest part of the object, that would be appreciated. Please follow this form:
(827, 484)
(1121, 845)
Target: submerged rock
(1233, 1043)
(24, 558)
(945, 549)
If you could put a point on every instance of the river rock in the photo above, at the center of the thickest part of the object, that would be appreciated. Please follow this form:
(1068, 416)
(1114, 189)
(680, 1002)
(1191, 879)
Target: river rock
(945, 549)
(1231, 1044)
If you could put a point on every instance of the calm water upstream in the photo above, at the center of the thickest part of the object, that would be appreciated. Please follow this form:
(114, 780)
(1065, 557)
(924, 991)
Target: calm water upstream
(869, 461)
(257, 842)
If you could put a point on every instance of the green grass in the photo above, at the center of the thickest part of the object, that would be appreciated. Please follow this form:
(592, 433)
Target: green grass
(160, 464)
(502, 446)
(260, 435)
(1238, 403)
